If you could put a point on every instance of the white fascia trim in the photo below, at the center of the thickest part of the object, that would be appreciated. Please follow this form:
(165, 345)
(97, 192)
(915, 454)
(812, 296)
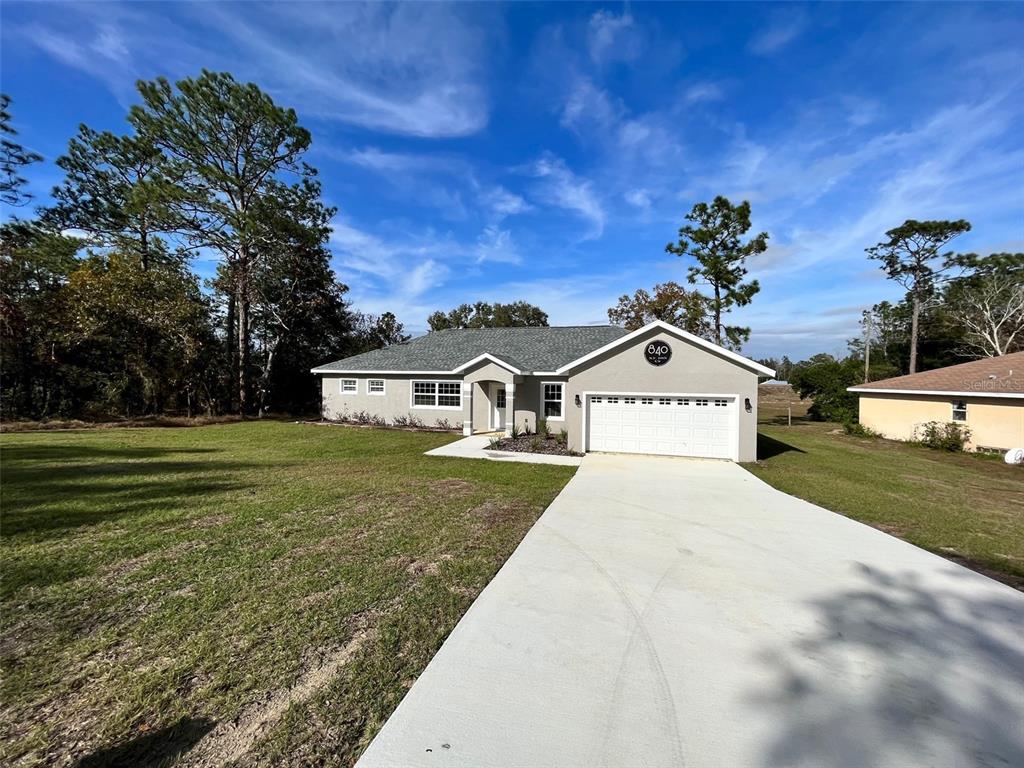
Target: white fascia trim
(938, 392)
(493, 359)
(685, 335)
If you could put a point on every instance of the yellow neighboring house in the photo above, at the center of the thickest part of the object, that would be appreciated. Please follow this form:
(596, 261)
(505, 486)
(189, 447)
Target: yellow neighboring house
(987, 396)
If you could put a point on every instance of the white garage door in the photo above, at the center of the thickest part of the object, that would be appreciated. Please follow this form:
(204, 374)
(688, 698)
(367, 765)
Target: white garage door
(677, 425)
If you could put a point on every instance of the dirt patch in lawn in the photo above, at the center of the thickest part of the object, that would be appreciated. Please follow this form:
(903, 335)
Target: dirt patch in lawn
(231, 741)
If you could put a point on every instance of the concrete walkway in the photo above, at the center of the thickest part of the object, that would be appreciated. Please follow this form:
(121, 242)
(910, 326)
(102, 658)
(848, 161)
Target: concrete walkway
(673, 612)
(476, 447)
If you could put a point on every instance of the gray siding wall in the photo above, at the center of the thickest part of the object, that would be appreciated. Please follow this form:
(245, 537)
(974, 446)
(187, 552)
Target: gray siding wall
(395, 401)
(691, 369)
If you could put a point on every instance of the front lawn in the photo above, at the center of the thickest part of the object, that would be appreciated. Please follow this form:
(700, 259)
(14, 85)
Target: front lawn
(256, 592)
(965, 507)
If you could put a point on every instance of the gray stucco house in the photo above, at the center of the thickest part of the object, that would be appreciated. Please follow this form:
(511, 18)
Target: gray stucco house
(655, 390)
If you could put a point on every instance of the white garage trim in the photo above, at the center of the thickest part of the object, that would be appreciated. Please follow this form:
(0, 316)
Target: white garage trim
(734, 410)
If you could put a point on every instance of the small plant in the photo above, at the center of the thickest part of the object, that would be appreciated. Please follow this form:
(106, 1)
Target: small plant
(856, 429)
(401, 421)
(495, 442)
(378, 421)
(513, 431)
(415, 422)
(943, 436)
(542, 428)
(443, 424)
(562, 438)
(536, 442)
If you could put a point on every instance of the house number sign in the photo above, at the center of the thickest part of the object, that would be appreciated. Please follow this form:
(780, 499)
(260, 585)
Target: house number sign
(658, 353)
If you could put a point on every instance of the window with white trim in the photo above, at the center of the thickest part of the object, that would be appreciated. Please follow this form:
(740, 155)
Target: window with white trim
(437, 394)
(721, 403)
(959, 410)
(552, 395)
(349, 386)
(646, 401)
(375, 386)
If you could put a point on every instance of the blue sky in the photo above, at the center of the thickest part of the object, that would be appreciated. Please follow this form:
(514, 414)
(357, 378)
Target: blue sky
(548, 152)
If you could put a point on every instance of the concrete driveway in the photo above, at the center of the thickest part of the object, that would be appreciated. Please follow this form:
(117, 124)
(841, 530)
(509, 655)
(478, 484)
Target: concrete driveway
(673, 612)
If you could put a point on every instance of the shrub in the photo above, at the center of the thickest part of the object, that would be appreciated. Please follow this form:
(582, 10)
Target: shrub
(942, 436)
(443, 424)
(495, 442)
(401, 421)
(562, 437)
(542, 428)
(535, 443)
(378, 421)
(514, 431)
(415, 421)
(856, 429)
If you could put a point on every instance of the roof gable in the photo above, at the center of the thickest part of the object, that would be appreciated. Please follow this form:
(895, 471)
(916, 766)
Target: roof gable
(697, 341)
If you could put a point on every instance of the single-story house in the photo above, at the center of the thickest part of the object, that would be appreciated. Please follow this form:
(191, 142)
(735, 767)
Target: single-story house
(655, 390)
(986, 396)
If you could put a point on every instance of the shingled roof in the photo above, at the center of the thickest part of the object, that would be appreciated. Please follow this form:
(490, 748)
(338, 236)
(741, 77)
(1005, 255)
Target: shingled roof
(527, 349)
(996, 376)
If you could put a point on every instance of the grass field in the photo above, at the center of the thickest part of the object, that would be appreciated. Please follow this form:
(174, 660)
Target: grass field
(257, 592)
(965, 507)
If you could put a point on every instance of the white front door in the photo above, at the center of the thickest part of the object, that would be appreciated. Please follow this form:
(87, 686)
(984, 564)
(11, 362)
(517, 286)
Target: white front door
(671, 425)
(497, 397)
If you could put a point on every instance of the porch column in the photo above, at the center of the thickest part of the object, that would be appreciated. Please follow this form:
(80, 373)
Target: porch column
(467, 398)
(510, 409)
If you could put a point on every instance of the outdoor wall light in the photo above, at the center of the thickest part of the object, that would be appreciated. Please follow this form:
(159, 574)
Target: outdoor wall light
(747, 405)
(578, 401)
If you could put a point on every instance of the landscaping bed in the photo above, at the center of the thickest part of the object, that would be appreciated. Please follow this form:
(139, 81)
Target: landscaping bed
(552, 444)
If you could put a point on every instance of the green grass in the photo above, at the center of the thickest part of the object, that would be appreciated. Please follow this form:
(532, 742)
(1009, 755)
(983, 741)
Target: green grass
(159, 582)
(965, 507)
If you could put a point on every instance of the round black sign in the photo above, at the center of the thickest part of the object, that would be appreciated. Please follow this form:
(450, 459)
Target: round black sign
(658, 352)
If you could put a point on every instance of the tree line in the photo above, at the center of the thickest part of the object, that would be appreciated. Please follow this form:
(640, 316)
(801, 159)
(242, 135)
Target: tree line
(957, 307)
(102, 314)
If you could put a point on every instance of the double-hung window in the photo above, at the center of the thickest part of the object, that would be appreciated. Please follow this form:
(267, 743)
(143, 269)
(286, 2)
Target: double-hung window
(553, 395)
(437, 394)
(375, 386)
(959, 410)
(349, 386)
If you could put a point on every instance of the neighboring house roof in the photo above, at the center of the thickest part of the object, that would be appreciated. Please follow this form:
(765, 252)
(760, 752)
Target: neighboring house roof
(521, 350)
(774, 383)
(988, 377)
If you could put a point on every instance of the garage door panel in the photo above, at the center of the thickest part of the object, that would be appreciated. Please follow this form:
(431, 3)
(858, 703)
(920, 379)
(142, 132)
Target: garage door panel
(670, 425)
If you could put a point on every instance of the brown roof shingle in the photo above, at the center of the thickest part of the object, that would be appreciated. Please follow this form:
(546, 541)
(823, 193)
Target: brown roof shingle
(991, 375)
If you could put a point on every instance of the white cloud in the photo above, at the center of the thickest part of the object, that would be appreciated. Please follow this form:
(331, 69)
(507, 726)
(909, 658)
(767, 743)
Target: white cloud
(705, 90)
(783, 29)
(375, 66)
(562, 188)
(612, 37)
(496, 245)
(501, 203)
(641, 198)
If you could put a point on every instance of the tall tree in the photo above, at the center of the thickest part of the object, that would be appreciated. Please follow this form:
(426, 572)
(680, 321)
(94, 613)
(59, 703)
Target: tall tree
(229, 145)
(299, 310)
(117, 189)
(714, 237)
(517, 314)
(909, 256)
(13, 158)
(671, 303)
(986, 302)
(377, 331)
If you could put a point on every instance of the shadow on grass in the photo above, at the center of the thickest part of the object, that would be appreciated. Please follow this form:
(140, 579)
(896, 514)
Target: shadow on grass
(901, 670)
(767, 447)
(156, 748)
